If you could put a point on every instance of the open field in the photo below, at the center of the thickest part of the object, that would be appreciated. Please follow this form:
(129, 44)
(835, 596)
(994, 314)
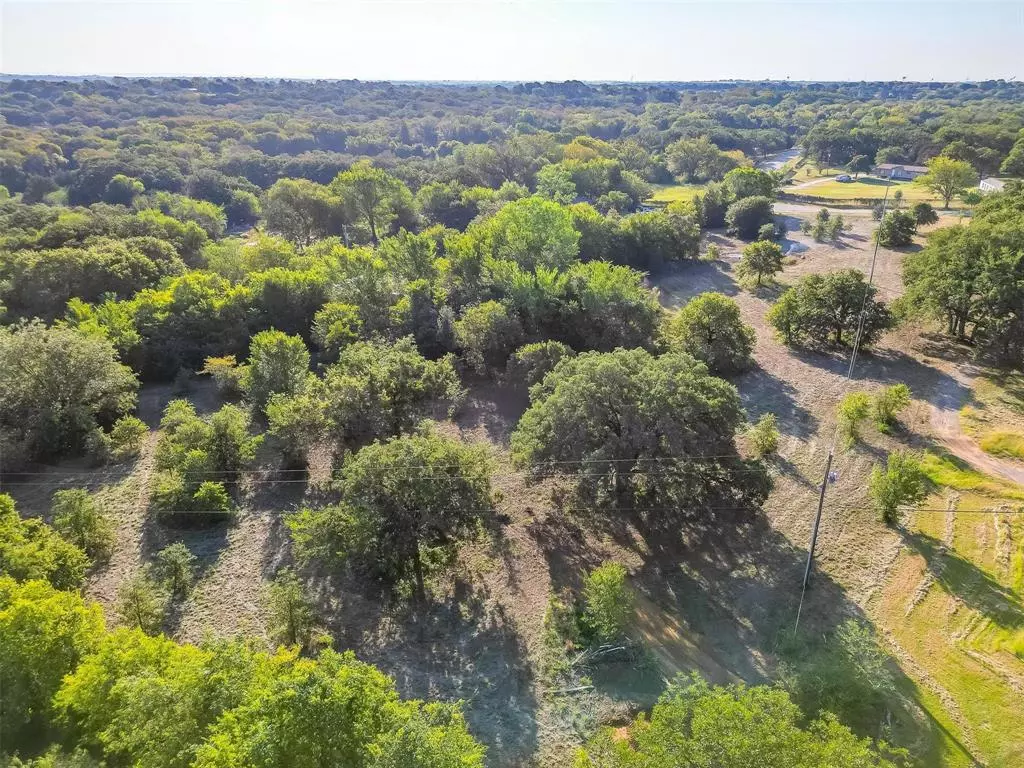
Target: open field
(672, 193)
(947, 604)
(863, 188)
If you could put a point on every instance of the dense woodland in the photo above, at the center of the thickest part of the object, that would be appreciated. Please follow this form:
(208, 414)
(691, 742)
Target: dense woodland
(343, 259)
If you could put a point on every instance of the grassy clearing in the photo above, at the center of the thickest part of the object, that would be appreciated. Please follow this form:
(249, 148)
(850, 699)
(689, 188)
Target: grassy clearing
(995, 417)
(868, 187)
(945, 470)
(1007, 444)
(671, 193)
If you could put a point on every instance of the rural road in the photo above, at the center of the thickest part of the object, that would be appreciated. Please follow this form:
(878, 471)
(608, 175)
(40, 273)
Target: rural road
(945, 407)
(779, 159)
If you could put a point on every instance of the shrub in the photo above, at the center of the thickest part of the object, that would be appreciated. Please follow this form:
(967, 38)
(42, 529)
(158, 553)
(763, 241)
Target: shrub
(924, 214)
(607, 602)
(764, 435)
(175, 568)
(30, 549)
(760, 259)
(766, 232)
(141, 603)
(897, 229)
(278, 364)
(487, 334)
(713, 252)
(900, 483)
(290, 613)
(126, 437)
(888, 403)
(226, 374)
(853, 409)
(98, 447)
(745, 217)
(77, 519)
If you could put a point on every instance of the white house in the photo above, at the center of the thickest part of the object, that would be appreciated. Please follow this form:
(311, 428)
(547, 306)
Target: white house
(992, 185)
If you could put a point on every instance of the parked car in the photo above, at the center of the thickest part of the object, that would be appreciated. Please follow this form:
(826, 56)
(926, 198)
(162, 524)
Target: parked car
(844, 177)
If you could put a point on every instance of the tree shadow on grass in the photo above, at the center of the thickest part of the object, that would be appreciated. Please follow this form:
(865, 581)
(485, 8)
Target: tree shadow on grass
(678, 283)
(761, 393)
(967, 582)
(459, 646)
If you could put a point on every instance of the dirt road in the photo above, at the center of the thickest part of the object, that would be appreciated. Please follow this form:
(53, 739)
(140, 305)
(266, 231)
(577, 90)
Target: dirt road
(945, 405)
(779, 159)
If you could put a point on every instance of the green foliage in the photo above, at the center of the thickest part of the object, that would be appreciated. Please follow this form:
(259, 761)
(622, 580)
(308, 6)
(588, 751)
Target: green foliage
(826, 309)
(533, 232)
(302, 210)
(278, 364)
(698, 159)
(709, 328)
(291, 614)
(924, 214)
(897, 229)
(487, 334)
(196, 457)
(374, 199)
(617, 414)
(888, 403)
(141, 603)
(607, 602)
(696, 724)
(745, 217)
(402, 501)
(532, 362)
(750, 182)
(853, 409)
(122, 190)
(43, 634)
(651, 240)
(335, 326)
(226, 374)
(126, 438)
(947, 177)
(900, 483)
(30, 549)
(56, 386)
(297, 422)
(77, 518)
(826, 227)
(764, 435)
(555, 183)
(377, 389)
(175, 568)
(760, 259)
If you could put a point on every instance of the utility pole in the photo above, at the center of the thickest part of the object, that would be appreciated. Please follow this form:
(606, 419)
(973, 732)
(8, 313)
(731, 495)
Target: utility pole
(817, 519)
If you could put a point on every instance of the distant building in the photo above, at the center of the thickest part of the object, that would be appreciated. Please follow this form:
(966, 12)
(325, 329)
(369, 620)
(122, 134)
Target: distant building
(992, 185)
(901, 172)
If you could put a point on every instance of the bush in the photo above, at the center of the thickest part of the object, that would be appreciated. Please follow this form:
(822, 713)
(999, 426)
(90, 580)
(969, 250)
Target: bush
(175, 568)
(764, 435)
(278, 364)
(98, 447)
(745, 217)
(226, 374)
(709, 328)
(766, 232)
(897, 229)
(77, 519)
(900, 483)
(924, 214)
(30, 549)
(888, 403)
(126, 437)
(487, 333)
(290, 619)
(141, 603)
(607, 602)
(713, 252)
(760, 259)
(853, 409)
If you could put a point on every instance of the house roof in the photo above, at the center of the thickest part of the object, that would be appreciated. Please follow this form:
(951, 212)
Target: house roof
(993, 182)
(894, 166)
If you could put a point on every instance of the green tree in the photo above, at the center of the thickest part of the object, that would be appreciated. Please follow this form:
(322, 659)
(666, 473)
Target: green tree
(531, 232)
(291, 614)
(56, 385)
(826, 308)
(924, 214)
(30, 549)
(696, 724)
(122, 190)
(77, 518)
(555, 182)
(301, 210)
(745, 217)
(764, 435)
(141, 603)
(335, 325)
(376, 389)
(175, 568)
(897, 229)
(126, 437)
(697, 160)
(401, 501)
(750, 182)
(297, 422)
(607, 602)
(532, 362)
(278, 364)
(947, 178)
(487, 333)
(372, 196)
(859, 164)
(44, 633)
(853, 409)
(616, 415)
(900, 483)
(760, 259)
(709, 328)
(888, 403)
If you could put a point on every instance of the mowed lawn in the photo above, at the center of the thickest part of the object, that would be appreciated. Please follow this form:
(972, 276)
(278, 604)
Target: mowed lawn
(671, 193)
(866, 187)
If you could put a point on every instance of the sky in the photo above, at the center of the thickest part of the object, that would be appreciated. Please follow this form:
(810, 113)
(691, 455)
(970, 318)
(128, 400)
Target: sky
(516, 39)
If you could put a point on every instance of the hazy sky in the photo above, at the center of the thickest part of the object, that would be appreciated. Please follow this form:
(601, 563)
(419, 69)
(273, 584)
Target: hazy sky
(517, 39)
